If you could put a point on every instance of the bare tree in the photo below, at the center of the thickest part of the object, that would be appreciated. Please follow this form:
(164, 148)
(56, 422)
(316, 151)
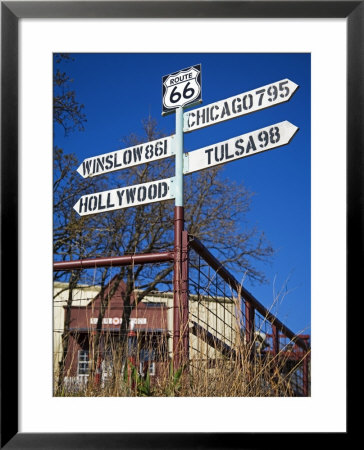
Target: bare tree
(213, 213)
(67, 111)
(68, 235)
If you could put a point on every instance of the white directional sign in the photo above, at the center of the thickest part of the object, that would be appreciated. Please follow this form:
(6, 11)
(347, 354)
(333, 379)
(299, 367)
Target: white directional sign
(239, 147)
(181, 88)
(239, 105)
(127, 157)
(139, 194)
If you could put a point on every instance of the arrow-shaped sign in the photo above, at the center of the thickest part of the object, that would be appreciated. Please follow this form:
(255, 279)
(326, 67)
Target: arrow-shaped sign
(127, 157)
(239, 105)
(239, 147)
(139, 194)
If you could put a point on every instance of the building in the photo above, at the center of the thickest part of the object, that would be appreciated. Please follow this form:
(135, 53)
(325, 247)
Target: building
(152, 321)
(81, 296)
(216, 339)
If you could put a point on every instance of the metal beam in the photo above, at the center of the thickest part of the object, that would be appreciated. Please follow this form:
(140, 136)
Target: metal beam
(113, 261)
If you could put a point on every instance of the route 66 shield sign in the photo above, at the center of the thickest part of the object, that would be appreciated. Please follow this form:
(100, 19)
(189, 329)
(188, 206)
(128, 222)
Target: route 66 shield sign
(181, 88)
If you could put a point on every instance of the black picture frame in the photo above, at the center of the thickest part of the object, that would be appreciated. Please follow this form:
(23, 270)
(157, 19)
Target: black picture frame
(11, 12)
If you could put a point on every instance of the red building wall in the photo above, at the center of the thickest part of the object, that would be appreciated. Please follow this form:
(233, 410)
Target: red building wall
(149, 317)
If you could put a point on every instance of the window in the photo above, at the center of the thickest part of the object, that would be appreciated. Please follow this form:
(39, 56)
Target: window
(107, 364)
(83, 362)
(147, 357)
(154, 304)
(151, 368)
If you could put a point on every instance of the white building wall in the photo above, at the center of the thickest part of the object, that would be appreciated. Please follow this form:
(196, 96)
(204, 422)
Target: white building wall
(82, 295)
(218, 316)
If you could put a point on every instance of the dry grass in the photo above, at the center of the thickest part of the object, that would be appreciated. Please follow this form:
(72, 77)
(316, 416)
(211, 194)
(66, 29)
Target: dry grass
(250, 370)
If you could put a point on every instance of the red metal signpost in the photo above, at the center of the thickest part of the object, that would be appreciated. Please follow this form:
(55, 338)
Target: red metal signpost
(180, 291)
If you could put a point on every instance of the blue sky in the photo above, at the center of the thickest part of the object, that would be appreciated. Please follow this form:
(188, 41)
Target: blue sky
(119, 90)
